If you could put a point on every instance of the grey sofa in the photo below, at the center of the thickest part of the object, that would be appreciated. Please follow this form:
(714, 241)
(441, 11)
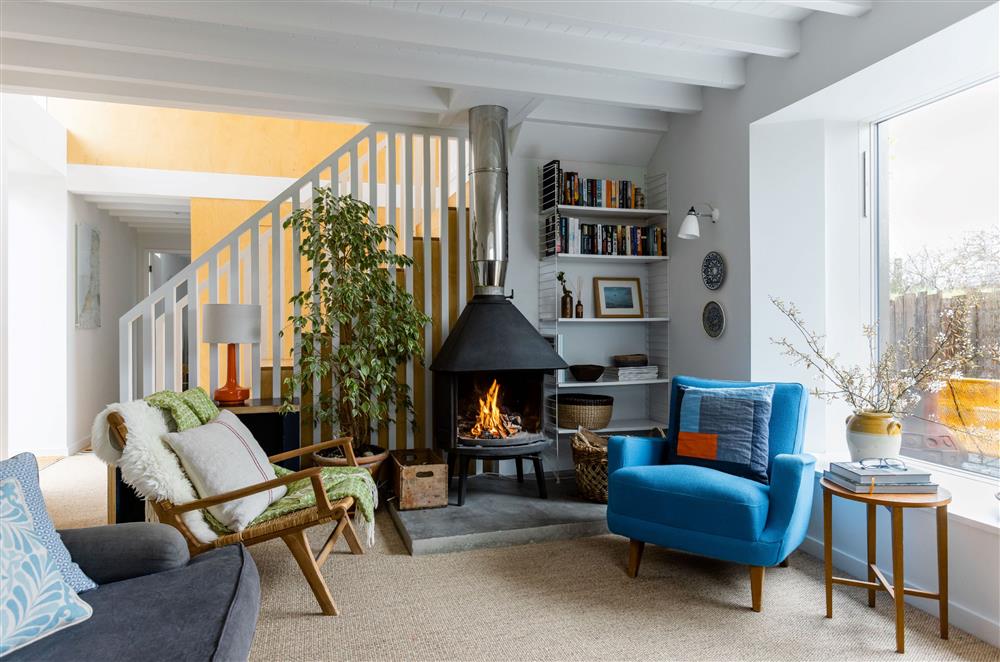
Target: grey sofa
(154, 602)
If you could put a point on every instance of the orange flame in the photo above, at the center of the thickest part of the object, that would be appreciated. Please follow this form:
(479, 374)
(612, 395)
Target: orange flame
(489, 420)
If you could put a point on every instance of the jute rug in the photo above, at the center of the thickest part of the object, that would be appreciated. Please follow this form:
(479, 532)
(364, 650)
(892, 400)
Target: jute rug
(571, 600)
(76, 491)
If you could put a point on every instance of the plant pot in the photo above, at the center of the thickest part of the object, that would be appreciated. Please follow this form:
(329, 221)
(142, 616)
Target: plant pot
(873, 434)
(370, 462)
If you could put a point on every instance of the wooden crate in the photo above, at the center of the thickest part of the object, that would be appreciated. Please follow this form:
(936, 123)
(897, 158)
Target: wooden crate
(421, 479)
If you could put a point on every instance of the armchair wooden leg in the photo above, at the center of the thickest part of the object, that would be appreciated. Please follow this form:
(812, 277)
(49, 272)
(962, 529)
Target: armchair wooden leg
(783, 564)
(299, 546)
(351, 536)
(756, 585)
(635, 548)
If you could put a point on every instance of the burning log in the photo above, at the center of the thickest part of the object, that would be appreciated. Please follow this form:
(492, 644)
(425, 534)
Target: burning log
(491, 421)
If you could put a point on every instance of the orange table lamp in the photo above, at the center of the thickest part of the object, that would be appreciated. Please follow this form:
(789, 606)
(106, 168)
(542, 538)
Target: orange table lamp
(232, 324)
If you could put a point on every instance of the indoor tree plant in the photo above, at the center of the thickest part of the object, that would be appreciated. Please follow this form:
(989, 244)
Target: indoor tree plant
(889, 385)
(356, 323)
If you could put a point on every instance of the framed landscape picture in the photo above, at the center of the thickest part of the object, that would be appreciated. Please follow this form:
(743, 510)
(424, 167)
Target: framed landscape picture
(617, 297)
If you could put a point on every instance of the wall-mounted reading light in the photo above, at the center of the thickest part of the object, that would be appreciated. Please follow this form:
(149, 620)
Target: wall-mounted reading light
(689, 226)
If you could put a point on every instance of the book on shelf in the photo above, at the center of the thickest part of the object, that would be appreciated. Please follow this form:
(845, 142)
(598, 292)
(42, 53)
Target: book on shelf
(853, 471)
(565, 235)
(570, 188)
(631, 374)
(922, 487)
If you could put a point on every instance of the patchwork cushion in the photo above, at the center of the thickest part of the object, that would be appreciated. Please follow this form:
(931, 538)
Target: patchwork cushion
(222, 456)
(724, 429)
(197, 399)
(24, 468)
(690, 498)
(184, 417)
(36, 600)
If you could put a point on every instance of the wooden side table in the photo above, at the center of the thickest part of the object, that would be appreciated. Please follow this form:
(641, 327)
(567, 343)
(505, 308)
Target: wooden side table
(876, 579)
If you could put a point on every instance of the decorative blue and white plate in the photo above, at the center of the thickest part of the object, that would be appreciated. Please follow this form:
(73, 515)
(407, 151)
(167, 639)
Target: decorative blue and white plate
(713, 270)
(713, 319)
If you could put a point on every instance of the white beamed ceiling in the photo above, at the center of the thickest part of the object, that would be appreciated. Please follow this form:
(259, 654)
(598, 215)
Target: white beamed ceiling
(620, 65)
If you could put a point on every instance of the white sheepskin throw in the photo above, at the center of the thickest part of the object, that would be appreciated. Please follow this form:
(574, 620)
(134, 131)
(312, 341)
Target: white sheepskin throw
(147, 464)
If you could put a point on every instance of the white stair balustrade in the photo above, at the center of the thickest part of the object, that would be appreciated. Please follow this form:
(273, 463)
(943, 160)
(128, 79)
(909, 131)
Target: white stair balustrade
(410, 176)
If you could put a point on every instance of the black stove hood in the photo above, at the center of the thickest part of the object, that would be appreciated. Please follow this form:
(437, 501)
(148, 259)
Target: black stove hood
(491, 334)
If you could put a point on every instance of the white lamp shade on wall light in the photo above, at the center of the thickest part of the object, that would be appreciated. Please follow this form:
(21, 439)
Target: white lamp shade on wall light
(690, 228)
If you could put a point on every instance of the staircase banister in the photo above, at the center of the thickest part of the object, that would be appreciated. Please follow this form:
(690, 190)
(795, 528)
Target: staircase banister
(274, 205)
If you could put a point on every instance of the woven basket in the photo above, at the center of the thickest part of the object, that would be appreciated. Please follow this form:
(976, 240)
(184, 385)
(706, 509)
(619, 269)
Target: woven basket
(585, 410)
(590, 463)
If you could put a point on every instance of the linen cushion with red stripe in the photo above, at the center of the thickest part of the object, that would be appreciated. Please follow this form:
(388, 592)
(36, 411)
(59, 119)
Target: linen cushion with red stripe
(724, 429)
(222, 456)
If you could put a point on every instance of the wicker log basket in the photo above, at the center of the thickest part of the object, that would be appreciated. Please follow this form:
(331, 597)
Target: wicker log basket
(590, 461)
(585, 409)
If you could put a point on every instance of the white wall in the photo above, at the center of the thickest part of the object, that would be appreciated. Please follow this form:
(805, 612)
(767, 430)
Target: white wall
(707, 158)
(38, 243)
(93, 353)
(59, 377)
(787, 248)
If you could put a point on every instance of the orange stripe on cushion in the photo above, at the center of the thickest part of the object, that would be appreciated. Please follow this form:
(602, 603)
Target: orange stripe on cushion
(697, 444)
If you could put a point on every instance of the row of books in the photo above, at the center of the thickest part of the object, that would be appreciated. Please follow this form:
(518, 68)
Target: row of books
(569, 235)
(613, 193)
(569, 188)
(632, 373)
(860, 479)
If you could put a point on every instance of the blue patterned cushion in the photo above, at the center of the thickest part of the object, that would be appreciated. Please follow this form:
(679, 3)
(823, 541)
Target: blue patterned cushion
(724, 429)
(35, 601)
(24, 468)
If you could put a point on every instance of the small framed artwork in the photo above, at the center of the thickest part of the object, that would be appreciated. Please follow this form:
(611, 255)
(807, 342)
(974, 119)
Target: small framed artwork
(617, 297)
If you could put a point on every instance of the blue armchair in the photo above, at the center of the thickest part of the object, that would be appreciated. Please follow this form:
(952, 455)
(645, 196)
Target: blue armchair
(708, 512)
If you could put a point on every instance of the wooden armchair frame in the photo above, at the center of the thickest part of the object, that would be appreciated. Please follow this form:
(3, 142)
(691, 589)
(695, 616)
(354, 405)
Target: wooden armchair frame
(291, 528)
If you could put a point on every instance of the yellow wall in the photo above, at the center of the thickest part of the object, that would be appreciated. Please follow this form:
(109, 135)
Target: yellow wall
(173, 139)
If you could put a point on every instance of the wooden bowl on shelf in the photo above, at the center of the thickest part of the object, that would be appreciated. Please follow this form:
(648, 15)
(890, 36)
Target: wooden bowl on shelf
(630, 360)
(586, 372)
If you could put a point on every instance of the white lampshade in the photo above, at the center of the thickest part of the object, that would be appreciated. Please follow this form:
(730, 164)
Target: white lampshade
(689, 227)
(230, 323)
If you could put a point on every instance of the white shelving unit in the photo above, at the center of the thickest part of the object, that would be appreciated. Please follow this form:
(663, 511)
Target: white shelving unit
(640, 405)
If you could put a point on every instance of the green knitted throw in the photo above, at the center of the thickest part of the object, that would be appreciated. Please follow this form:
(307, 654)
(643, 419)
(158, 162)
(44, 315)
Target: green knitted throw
(340, 482)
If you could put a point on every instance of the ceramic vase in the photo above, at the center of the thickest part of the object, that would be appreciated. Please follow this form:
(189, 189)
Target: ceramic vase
(873, 434)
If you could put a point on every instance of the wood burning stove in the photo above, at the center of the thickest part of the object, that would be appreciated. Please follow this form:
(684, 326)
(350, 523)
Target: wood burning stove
(491, 342)
(459, 398)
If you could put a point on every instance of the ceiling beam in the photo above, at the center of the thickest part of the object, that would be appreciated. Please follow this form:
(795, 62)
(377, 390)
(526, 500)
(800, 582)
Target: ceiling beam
(554, 111)
(382, 28)
(25, 82)
(853, 8)
(268, 50)
(334, 88)
(209, 44)
(674, 22)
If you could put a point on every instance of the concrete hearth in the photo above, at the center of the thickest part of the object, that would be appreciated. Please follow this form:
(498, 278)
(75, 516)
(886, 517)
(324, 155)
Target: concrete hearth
(499, 512)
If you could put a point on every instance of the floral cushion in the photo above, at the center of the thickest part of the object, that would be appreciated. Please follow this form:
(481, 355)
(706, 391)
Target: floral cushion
(36, 600)
(24, 468)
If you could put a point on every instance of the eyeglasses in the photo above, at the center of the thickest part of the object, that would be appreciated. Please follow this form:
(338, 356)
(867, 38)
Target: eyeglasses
(883, 463)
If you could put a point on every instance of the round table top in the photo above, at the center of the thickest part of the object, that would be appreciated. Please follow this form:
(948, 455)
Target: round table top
(940, 498)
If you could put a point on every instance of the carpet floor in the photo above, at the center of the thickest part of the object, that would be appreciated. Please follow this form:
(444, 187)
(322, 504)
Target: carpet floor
(571, 600)
(76, 491)
(565, 600)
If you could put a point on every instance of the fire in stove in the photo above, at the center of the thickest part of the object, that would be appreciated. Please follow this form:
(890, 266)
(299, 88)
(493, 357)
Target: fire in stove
(492, 422)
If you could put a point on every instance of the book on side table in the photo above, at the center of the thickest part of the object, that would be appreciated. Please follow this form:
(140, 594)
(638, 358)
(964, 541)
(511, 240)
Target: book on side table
(855, 477)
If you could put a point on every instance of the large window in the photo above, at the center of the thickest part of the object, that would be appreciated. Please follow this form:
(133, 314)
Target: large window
(939, 245)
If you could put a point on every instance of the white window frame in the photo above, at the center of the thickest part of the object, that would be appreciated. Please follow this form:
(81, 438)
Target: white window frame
(879, 248)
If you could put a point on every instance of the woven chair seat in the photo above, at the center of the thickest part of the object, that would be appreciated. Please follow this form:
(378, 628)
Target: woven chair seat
(273, 527)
